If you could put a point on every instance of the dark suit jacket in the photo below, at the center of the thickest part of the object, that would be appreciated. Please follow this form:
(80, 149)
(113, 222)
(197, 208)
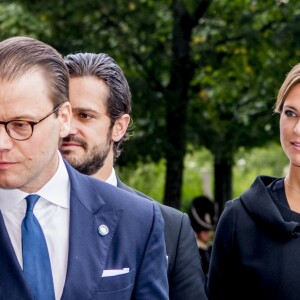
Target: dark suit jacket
(186, 278)
(135, 240)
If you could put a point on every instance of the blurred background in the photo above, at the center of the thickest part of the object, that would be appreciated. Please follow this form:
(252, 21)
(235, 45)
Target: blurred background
(204, 77)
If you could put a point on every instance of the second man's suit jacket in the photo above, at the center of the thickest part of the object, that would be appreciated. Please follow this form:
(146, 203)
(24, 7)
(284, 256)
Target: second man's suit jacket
(129, 262)
(186, 278)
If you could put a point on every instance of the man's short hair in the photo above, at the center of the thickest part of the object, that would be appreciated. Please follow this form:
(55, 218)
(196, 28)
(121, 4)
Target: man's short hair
(105, 68)
(20, 55)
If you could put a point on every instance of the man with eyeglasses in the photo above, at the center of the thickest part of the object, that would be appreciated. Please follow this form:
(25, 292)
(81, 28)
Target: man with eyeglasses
(101, 104)
(64, 235)
(22, 130)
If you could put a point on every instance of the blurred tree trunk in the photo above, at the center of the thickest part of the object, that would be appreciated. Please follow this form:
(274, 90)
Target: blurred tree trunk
(223, 182)
(177, 96)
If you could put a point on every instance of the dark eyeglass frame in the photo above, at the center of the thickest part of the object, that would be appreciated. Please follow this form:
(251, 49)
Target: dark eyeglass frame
(31, 123)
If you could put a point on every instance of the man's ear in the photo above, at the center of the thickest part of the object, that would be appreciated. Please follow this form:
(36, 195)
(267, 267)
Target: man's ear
(65, 114)
(120, 127)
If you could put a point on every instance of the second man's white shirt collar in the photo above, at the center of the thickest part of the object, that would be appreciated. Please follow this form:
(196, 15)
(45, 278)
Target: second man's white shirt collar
(112, 179)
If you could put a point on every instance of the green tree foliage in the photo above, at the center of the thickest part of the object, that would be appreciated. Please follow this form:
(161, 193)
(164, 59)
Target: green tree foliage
(17, 20)
(243, 55)
(153, 38)
(202, 73)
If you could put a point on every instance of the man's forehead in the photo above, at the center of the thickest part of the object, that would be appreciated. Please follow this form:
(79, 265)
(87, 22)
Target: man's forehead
(31, 90)
(81, 109)
(15, 74)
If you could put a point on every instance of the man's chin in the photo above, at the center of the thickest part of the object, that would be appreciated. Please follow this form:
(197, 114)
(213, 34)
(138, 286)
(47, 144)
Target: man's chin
(71, 153)
(71, 158)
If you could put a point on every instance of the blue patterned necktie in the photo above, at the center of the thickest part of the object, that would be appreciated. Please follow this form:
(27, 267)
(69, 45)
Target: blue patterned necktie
(36, 261)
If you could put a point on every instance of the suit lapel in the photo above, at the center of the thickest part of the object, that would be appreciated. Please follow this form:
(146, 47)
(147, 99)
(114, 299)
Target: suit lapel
(12, 283)
(88, 249)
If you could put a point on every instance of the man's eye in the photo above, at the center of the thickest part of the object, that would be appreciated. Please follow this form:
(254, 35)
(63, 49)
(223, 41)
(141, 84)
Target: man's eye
(84, 116)
(19, 125)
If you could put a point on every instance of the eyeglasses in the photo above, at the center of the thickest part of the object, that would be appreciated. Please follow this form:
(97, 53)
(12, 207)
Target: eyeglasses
(21, 130)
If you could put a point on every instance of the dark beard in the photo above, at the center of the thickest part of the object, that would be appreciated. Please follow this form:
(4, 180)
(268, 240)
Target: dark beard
(93, 162)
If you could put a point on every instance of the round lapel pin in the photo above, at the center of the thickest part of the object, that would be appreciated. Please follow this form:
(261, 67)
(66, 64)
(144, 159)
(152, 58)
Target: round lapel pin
(103, 230)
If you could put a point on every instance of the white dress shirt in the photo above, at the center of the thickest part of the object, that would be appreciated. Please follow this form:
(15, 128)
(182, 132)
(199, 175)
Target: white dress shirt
(112, 179)
(53, 213)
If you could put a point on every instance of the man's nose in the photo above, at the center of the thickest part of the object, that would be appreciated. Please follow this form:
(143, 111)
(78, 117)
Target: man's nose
(5, 139)
(73, 127)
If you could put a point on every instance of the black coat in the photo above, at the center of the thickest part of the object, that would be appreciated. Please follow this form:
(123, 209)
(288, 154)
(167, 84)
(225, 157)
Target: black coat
(186, 278)
(256, 250)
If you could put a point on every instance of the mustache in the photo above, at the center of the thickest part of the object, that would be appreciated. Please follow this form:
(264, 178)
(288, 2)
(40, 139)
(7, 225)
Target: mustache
(72, 138)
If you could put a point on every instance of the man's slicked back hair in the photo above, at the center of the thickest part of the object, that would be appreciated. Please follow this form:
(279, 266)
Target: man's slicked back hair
(20, 55)
(106, 69)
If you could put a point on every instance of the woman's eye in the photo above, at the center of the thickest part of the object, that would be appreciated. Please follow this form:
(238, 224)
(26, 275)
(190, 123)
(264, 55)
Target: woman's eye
(289, 113)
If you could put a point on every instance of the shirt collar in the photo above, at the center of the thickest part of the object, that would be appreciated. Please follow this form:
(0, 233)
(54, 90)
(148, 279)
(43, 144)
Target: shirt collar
(56, 190)
(112, 179)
